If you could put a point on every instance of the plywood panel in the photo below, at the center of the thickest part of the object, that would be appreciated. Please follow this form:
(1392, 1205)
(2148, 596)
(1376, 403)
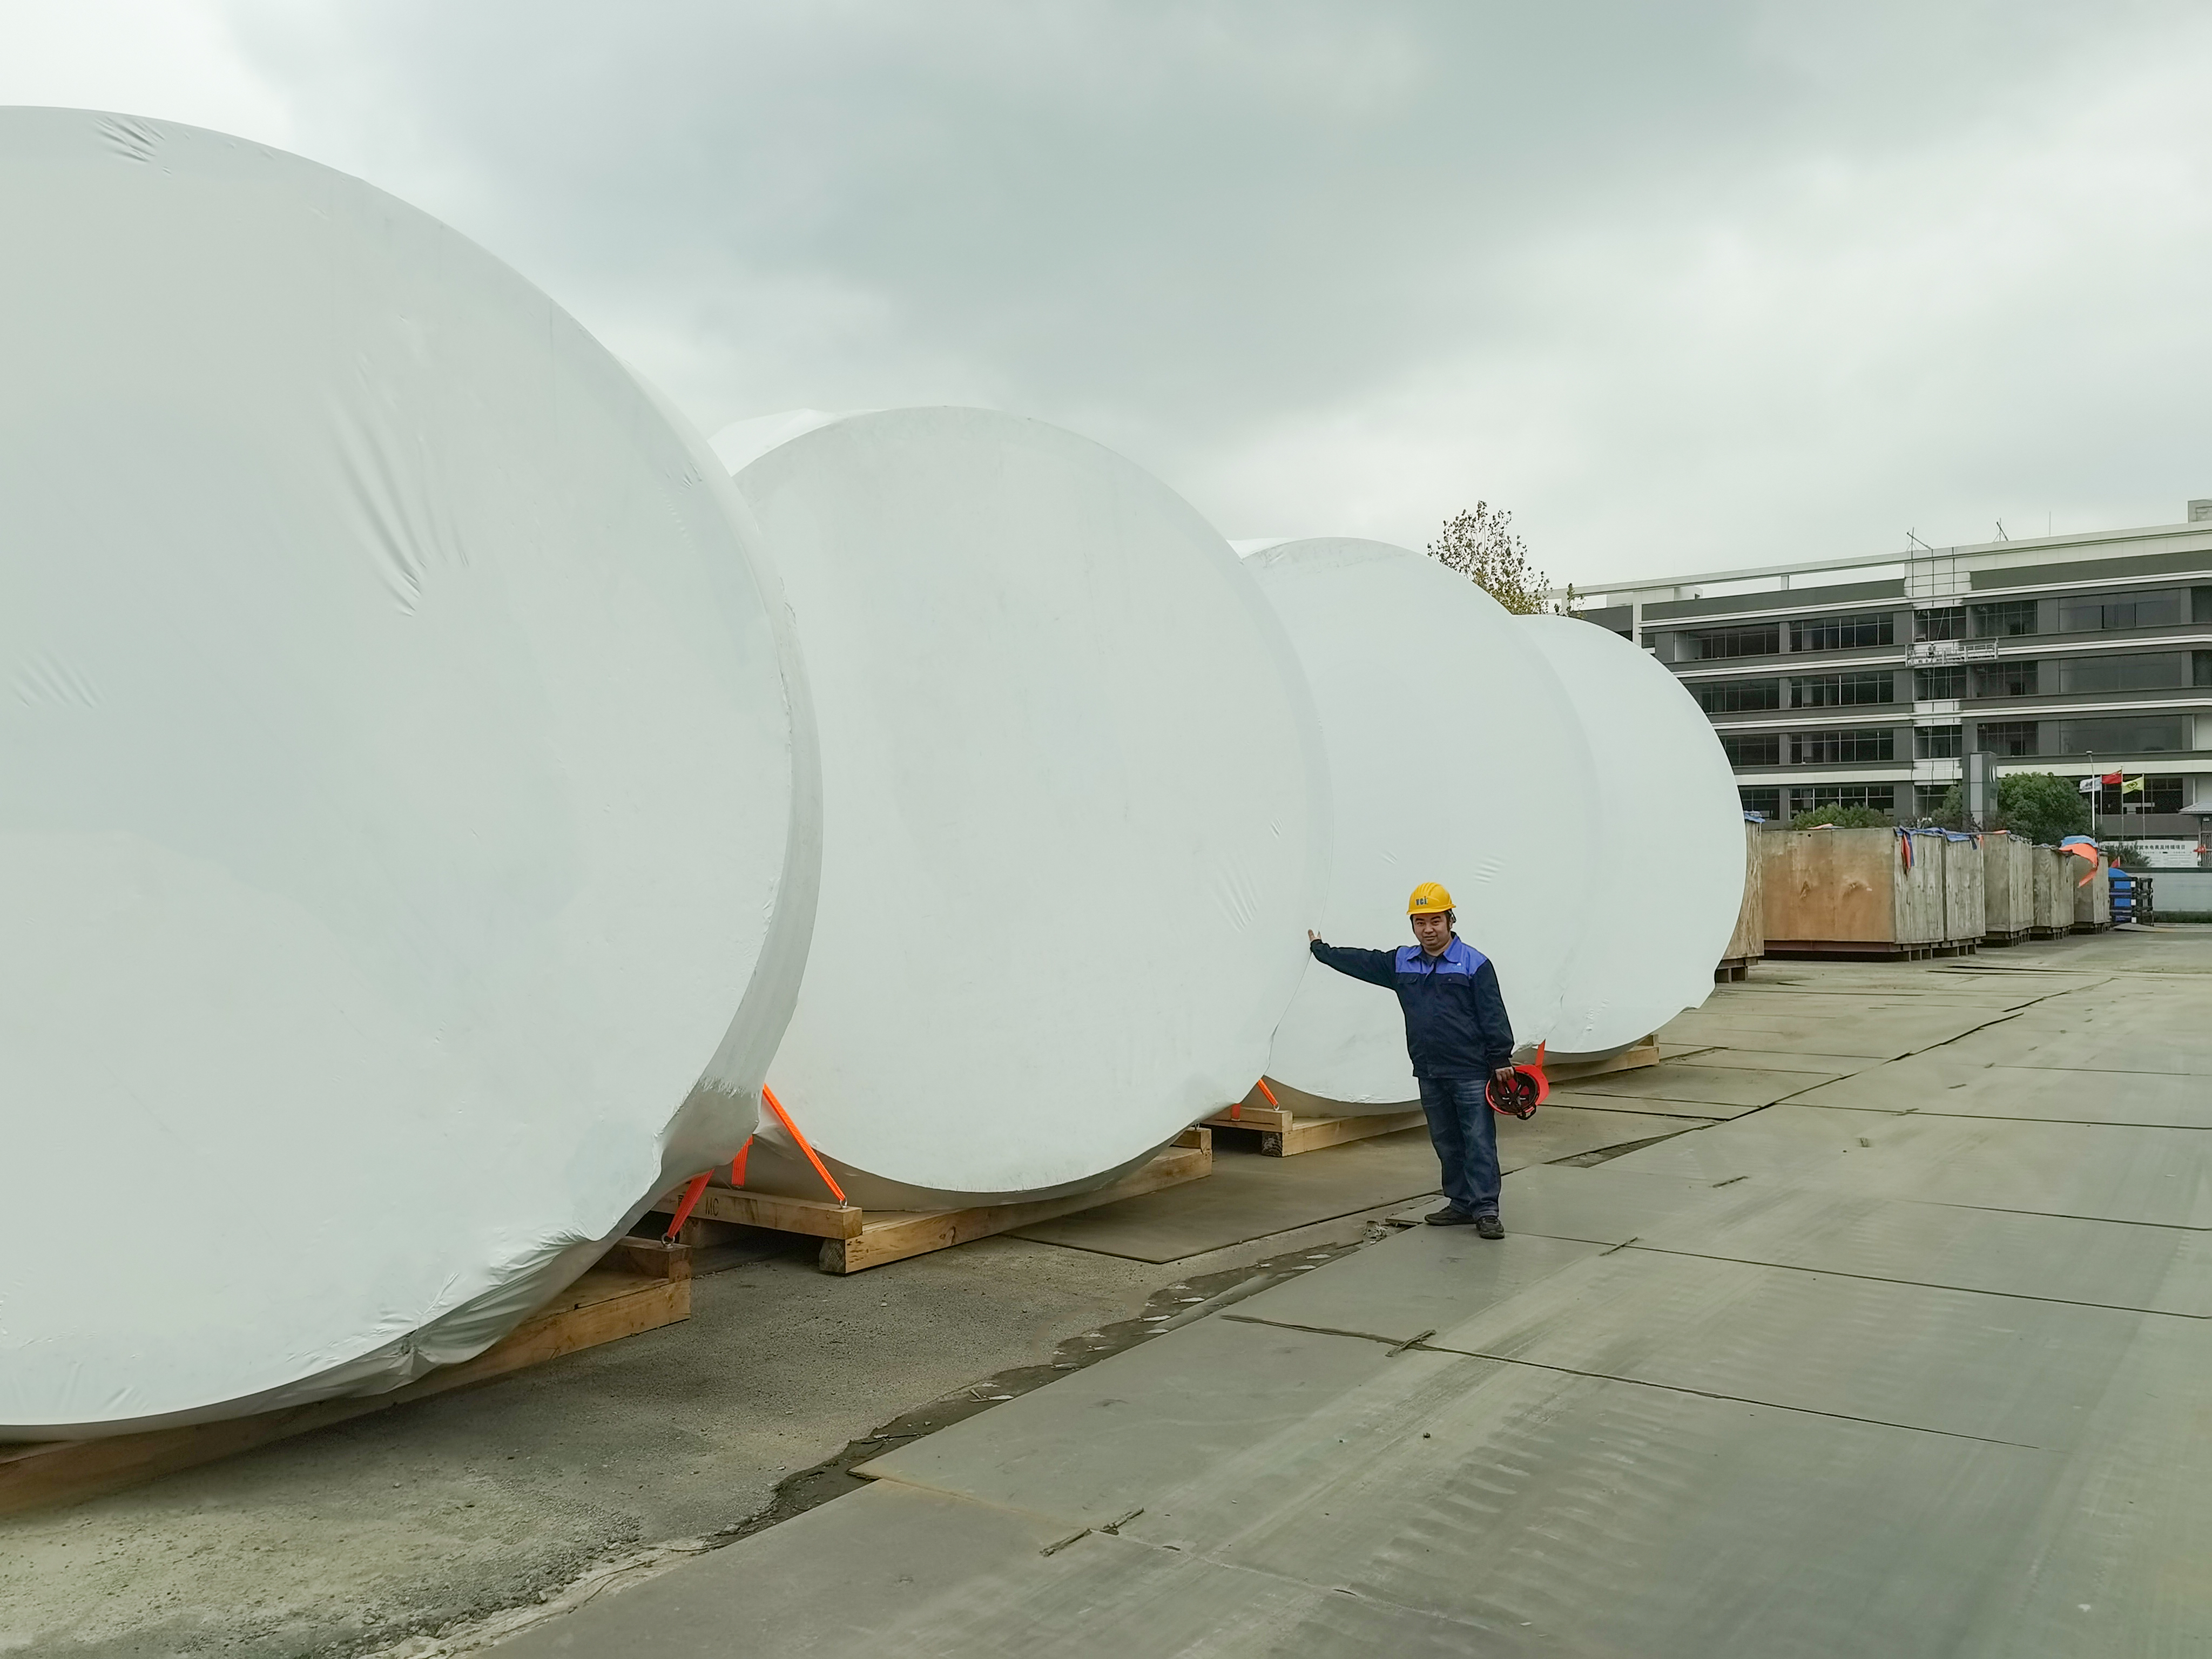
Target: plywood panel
(1851, 886)
(1966, 905)
(2007, 884)
(2092, 899)
(1749, 942)
(2053, 888)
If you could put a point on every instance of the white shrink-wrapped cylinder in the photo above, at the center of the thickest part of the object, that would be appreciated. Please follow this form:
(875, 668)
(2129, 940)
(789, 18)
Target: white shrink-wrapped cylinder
(1072, 807)
(410, 834)
(1664, 893)
(1454, 756)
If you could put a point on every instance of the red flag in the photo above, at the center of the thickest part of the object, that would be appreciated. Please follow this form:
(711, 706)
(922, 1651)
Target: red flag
(2112, 777)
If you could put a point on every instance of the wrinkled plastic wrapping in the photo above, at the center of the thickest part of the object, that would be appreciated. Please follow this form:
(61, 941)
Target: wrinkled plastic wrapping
(408, 843)
(1664, 889)
(1454, 756)
(1074, 815)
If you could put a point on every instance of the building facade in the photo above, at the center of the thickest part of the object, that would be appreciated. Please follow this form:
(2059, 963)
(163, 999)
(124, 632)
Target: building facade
(1866, 681)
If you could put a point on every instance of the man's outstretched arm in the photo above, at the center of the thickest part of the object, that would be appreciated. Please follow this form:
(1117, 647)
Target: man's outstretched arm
(1376, 967)
(1490, 1018)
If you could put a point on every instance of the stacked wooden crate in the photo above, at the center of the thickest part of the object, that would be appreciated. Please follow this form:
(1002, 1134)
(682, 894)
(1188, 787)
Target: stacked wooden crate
(1966, 905)
(1748, 943)
(2092, 899)
(2053, 880)
(2008, 888)
(1852, 892)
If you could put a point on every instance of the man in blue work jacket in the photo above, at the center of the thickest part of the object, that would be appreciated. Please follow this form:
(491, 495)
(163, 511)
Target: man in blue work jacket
(1459, 1038)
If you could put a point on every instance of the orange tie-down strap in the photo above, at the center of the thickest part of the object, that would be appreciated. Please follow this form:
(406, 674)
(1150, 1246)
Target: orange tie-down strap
(698, 1182)
(791, 1129)
(2090, 853)
(1236, 1107)
(698, 1185)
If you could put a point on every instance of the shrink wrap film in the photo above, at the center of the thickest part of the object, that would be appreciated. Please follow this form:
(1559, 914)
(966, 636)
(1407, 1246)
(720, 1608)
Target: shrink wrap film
(409, 838)
(1073, 824)
(1664, 890)
(1454, 756)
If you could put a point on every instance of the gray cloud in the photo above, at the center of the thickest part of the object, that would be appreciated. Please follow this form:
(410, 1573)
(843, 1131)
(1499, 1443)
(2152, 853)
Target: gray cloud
(1684, 285)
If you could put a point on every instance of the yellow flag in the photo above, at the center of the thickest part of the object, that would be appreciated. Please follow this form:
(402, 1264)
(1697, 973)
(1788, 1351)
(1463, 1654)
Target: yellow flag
(2132, 786)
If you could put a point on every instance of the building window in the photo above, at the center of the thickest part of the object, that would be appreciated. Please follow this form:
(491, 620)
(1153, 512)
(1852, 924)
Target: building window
(1733, 697)
(2085, 613)
(1843, 633)
(2004, 679)
(2003, 618)
(2137, 671)
(1763, 749)
(2138, 734)
(2156, 795)
(2005, 737)
(1738, 641)
(1949, 624)
(1937, 742)
(2203, 660)
(1877, 797)
(1837, 690)
(1840, 748)
(1931, 683)
(1767, 803)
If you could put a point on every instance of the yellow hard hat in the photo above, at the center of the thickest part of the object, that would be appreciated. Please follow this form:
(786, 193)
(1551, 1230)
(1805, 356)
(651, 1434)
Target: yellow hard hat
(1430, 899)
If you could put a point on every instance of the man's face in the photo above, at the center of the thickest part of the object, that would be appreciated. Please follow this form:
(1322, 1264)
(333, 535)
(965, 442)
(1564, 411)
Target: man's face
(1433, 932)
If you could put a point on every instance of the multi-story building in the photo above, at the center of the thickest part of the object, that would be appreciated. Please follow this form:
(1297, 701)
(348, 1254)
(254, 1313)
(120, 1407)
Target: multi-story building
(1866, 681)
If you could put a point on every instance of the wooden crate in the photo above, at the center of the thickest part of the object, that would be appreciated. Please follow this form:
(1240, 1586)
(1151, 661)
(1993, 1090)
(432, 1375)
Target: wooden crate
(1851, 892)
(2008, 888)
(2052, 873)
(1295, 1123)
(640, 1286)
(2092, 899)
(1965, 902)
(1748, 943)
(854, 1239)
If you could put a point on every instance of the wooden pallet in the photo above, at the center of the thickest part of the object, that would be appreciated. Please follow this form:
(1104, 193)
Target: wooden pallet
(1733, 971)
(640, 1286)
(1885, 950)
(855, 1239)
(2017, 936)
(1284, 1134)
(1285, 1130)
(1563, 1072)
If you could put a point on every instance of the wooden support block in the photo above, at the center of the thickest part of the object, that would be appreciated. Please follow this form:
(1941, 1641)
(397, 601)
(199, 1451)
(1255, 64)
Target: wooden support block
(606, 1303)
(1310, 1134)
(1284, 1132)
(816, 1217)
(894, 1235)
(650, 1258)
(1252, 1117)
(1645, 1053)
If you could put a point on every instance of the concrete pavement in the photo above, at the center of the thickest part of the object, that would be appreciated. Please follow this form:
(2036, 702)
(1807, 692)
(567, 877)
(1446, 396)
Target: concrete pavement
(1906, 1359)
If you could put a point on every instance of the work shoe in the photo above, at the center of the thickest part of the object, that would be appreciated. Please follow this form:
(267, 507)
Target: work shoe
(1448, 1216)
(1489, 1226)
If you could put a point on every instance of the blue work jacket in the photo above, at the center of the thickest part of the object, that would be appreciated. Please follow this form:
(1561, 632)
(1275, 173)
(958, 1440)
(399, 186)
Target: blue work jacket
(1456, 1022)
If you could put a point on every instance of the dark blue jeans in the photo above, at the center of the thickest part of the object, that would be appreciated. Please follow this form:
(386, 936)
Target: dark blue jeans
(1464, 1130)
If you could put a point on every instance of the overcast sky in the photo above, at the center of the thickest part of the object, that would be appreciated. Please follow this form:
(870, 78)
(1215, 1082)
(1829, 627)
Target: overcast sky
(1684, 286)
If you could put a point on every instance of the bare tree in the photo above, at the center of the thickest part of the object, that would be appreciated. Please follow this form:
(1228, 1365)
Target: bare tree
(1481, 546)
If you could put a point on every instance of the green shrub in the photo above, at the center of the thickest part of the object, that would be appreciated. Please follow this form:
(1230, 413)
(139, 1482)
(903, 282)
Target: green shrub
(1843, 818)
(2042, 806)
(2037, 806)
